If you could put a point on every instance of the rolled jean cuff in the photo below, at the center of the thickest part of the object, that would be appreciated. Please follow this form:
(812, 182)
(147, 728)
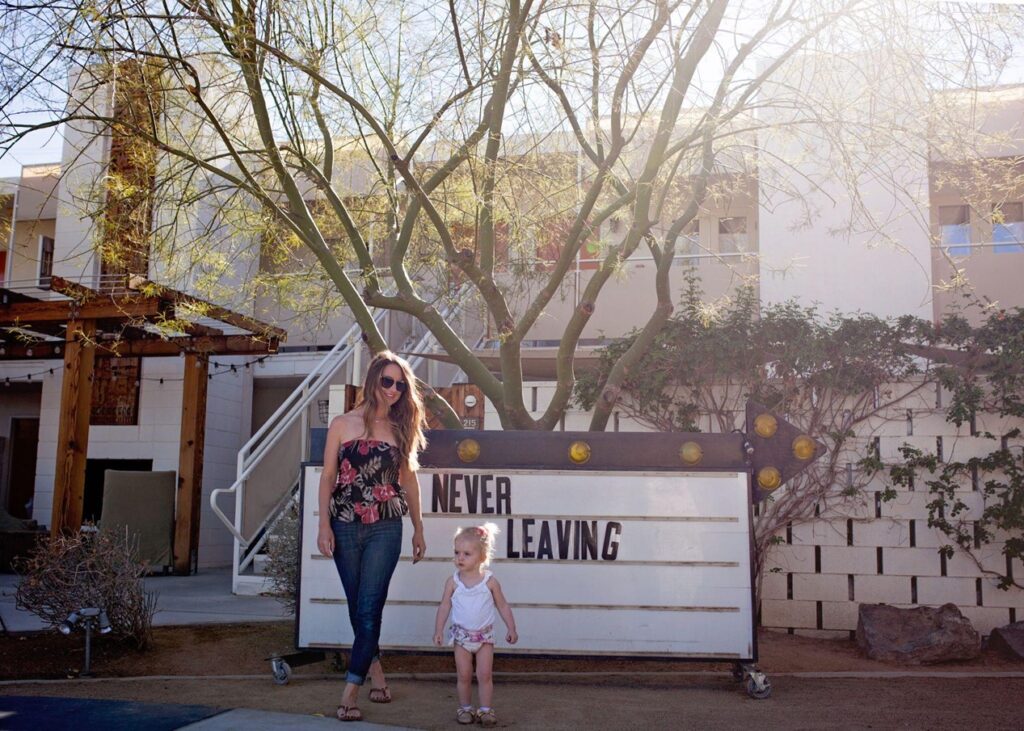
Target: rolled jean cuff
(351, 677)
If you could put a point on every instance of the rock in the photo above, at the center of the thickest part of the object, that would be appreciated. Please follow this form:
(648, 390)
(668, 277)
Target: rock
(1009, 640)
(918, 635)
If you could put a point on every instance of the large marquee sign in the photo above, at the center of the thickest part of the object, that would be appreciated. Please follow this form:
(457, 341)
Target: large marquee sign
(593, 563)
(619, 544)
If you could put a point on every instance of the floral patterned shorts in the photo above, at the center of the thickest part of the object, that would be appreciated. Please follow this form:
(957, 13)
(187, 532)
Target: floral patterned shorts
(472, 639)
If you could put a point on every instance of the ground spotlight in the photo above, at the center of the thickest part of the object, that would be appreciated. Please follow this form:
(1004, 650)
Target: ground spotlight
(89, 618)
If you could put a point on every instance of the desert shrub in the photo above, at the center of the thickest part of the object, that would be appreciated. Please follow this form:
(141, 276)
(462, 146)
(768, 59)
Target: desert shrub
(68, 573)
(283, 557)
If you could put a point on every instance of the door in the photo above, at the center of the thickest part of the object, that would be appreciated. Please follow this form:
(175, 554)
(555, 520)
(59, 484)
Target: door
(24, 442)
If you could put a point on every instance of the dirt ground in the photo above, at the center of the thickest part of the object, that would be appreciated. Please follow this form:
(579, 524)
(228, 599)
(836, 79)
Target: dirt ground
(598, 693)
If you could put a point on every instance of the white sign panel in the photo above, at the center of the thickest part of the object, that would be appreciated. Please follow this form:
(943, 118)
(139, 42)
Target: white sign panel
(593, 563)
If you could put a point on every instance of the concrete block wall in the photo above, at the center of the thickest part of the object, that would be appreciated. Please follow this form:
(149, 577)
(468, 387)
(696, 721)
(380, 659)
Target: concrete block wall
(882, 551)
(868, 549)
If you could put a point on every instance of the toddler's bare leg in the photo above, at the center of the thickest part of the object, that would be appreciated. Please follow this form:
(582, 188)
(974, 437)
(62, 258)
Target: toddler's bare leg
(484, 674)
(464, 668)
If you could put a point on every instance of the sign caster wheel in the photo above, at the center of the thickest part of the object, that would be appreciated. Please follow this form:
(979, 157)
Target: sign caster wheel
(281, 671)
(758, 686)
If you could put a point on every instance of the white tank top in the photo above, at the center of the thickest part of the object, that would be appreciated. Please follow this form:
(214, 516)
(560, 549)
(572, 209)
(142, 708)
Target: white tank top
(472, 606)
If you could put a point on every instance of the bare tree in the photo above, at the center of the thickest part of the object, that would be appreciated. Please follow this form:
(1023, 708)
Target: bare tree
(402, 151)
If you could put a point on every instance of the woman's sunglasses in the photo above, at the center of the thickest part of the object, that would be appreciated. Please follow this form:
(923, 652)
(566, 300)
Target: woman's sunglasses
(388, 382)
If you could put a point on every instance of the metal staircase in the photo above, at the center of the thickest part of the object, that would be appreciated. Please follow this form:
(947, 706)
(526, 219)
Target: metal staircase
(247, 549)
(294, 408)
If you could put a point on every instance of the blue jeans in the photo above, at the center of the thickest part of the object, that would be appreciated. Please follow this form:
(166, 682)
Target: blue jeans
(366, 555)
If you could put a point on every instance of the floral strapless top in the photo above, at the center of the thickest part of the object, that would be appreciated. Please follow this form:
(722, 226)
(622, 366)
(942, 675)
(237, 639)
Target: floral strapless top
(367, 489)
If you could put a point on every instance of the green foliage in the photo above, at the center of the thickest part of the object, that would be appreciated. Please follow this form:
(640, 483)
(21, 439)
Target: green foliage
(829, 374)
(987, 378)
(785, 356)
(283, 558)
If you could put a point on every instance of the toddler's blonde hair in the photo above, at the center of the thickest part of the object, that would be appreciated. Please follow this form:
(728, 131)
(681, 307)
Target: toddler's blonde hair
(482, 534)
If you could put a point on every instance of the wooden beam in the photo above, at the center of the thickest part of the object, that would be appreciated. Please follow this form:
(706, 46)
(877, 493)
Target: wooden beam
(208, 309)
(131, 307)
(73, 430)
(190, 464)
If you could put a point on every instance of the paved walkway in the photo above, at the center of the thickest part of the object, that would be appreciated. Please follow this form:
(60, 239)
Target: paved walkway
(204, 598)
(31, 713)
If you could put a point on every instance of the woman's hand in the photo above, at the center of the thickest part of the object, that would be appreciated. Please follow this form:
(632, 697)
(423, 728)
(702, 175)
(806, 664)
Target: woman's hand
(325, 540)
(419, 546)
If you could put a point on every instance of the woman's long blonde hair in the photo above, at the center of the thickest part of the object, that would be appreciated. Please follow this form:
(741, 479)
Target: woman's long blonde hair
(407, 416)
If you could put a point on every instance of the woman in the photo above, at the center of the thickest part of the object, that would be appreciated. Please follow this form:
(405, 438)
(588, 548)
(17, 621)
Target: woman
(368, 484)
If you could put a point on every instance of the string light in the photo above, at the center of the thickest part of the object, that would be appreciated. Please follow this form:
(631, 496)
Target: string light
(218, 369)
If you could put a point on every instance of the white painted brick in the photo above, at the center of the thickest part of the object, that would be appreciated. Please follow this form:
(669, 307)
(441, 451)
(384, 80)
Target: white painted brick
(974, 505)
(911, 562)
(860, 507)
(881, 532)
(993, 559)
(995, 424)
(930, 537)
(773, 586)
(890, 446)
(881, 589)
(992, 596)
(962, 565)
(847, 560)
(791, 558)
(907, 505)
(881, 426)
(942, 589)
(824, 587)
(839, 615)
(986, 619)
(963, 448)
(820, 533)
(933, 424)
(789, 613)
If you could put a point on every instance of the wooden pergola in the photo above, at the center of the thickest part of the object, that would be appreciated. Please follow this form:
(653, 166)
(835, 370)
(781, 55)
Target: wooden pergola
(78, 325)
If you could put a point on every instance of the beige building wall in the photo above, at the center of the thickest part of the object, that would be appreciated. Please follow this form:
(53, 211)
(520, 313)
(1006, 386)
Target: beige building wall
(23, 265)
(979, 175)
(844, 187)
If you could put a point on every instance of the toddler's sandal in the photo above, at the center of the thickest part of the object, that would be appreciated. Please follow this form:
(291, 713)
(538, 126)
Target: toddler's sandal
(465, 716)
(487, 718)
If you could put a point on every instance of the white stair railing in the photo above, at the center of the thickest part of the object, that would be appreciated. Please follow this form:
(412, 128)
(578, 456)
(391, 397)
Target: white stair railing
(293, 408)
(260, 444)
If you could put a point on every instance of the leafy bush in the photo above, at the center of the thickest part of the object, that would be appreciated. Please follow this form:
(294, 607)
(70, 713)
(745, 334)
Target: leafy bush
(283, 557)
(68, 573)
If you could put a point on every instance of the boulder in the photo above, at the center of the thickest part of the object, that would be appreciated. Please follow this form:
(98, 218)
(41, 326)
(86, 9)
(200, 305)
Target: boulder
(915, 636)
(1009, 640)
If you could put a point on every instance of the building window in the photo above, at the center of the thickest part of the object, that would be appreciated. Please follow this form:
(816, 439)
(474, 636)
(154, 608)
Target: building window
(955, 229)
(732, 235)
(115, 392)
(1008, 228)
(691, 238)
(45, 260)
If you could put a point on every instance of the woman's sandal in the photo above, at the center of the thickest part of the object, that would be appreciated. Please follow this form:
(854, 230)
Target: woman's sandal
(349, 713)
(465, 716)
(380, 695)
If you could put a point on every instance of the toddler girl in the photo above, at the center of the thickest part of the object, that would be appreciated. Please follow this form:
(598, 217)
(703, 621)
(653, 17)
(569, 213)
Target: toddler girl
(471, 596)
